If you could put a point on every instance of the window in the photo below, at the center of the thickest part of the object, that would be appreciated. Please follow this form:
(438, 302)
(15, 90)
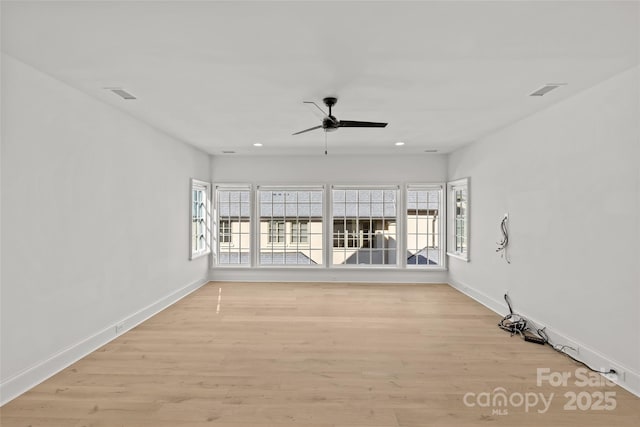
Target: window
(300, 232)
(424, 224)
(276, 231)
(233, 221)
(345, 234)
(224, 235)
(200, 219)
(291, 226)
(458, 224)
(364, 225)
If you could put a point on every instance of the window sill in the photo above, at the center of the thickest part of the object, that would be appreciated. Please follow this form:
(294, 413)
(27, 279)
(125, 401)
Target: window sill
(464, 258)
(198, 255)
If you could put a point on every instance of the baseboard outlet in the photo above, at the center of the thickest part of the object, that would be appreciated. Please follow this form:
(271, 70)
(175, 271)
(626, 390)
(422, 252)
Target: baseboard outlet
(626, 378)
(31, 377)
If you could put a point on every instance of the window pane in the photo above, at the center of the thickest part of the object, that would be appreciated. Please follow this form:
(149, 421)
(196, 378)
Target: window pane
(200, 215)
(423, 228)
(288, 219)
(233, 223)
(364, 226)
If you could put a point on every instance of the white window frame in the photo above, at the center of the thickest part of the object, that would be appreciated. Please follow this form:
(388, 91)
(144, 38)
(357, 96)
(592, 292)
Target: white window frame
(458, 185)
(203, 188)
(442, 221)
(330, 219)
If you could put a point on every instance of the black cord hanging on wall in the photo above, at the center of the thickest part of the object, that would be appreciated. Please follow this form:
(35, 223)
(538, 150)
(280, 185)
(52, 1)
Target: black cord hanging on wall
(504, 243)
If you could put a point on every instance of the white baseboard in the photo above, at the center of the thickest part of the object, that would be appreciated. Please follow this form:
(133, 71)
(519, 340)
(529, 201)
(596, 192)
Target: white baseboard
(627, 378)
(336, 275)
(31, 377)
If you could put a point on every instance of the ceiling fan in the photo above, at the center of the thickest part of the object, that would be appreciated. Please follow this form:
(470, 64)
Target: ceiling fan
(330, 123)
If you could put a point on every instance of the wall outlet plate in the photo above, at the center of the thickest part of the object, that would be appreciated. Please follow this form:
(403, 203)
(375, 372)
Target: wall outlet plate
(119, 328)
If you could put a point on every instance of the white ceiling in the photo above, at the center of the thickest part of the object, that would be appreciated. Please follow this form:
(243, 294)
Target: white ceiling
(222, 76)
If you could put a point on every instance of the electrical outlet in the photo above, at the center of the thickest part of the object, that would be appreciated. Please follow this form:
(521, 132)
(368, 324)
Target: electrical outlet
(620, 376)
(119, 328)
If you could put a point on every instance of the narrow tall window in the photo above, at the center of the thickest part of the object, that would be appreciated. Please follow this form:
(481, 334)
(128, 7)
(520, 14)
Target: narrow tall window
(233, 220)
(424, 222)
(291, 225)
(458, 244)
(200, 218)
(364, 225)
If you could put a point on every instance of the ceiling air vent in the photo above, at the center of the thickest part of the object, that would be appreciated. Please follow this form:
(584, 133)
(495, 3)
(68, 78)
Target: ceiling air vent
(121, 93)
(546, 89)
(228, 152)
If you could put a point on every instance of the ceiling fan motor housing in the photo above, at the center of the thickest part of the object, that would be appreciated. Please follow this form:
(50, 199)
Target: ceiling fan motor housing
(330, 123)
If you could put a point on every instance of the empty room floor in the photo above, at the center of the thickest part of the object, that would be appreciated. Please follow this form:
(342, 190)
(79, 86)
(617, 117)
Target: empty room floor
(320, 355)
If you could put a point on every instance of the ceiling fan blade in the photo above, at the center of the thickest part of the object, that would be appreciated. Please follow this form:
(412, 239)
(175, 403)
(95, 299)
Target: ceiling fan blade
(307, 130)
(311, 102)
(357, 124)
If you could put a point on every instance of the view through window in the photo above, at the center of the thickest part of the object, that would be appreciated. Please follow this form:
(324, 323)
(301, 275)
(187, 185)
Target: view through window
(290, 226)
(233, 209)
(423, 225)
(364, 225)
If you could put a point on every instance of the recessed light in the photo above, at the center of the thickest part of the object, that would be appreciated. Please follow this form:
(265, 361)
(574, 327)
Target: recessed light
(257, 144)
(399, 143)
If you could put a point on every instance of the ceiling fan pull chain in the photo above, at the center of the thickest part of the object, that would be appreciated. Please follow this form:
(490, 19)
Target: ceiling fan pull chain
(325, 142)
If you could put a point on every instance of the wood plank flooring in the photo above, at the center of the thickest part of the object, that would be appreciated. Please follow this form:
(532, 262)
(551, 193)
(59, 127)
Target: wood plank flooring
(317, 355)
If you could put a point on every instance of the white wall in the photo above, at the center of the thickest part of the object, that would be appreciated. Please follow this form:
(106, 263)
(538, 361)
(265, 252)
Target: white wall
(321, 169)
(95, 223)
(569, 179)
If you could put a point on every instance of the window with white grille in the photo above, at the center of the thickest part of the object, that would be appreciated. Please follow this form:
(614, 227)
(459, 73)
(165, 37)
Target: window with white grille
(424, 225)
(364, 225)
(458, 224)
(233, 225)
(290, 225)
(200, 218)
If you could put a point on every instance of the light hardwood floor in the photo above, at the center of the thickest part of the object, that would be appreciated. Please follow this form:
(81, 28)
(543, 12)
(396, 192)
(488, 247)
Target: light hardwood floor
(315, 355)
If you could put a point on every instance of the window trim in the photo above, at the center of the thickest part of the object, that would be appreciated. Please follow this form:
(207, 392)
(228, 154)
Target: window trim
(205, 187)
(452, 187)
